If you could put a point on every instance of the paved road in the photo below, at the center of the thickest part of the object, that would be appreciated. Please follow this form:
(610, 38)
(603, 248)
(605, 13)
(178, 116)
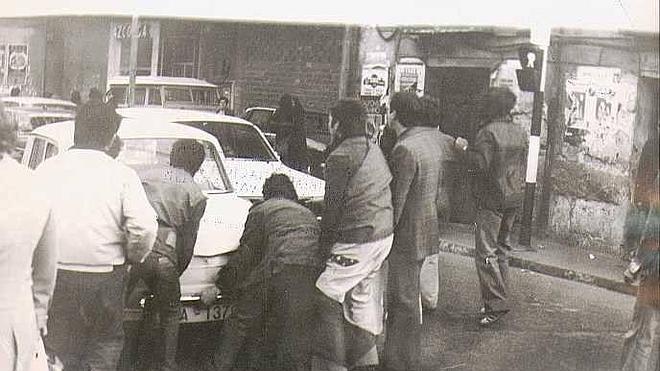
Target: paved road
(555, 325)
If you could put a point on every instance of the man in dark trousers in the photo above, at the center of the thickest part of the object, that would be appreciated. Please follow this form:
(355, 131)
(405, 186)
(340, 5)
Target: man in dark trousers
(179, 204)
(497, 158)
(419, 199)
(273, 275)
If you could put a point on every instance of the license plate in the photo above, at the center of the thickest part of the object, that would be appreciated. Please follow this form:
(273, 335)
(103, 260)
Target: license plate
(198, 313)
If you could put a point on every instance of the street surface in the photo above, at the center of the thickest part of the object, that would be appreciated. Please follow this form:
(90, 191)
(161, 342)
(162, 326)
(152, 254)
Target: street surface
(555, 325)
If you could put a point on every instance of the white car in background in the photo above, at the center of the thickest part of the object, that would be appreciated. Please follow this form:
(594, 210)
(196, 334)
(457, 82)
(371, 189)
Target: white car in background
(248, 157)
(163, 91)
(29, 113)
(146, 144)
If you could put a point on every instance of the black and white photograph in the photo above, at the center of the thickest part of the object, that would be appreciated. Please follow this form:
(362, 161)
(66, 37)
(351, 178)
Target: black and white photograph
(329, 186)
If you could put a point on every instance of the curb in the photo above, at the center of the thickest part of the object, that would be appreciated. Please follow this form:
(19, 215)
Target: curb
(548, 270)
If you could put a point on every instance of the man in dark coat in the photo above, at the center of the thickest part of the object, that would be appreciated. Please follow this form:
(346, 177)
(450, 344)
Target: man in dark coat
(497, 159)
(419, 199)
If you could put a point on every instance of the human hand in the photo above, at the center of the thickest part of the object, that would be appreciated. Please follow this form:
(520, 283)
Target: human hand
(210, 295)
(461, 143)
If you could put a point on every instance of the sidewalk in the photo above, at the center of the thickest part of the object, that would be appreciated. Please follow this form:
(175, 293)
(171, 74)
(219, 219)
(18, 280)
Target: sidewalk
(550, 258)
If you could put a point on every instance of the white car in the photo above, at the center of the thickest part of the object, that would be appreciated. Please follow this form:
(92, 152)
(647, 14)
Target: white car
(29, 113)
(247, 155)
(146, 144)
(163, 91)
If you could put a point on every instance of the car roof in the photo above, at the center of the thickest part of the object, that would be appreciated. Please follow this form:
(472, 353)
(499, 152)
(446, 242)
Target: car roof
(38, 101)
(62, 132)
(161, 80)
(174, 115)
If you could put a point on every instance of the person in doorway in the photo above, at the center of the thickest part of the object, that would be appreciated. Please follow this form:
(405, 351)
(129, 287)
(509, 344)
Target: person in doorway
(105, 221)
(28, 263)
(642, 341)
(273, 276)
(420, 202)
(223, 107)
(179, 204)
(356, 237)
(291, 139)
(497, 158)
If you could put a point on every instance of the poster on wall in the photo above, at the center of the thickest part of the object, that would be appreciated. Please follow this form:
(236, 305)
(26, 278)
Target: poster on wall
(409, 77)
(595, 97)
(374, 80)
(17, 64)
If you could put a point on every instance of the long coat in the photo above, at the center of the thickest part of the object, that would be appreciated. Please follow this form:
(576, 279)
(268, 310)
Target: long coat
(27, 264)
(420, 190)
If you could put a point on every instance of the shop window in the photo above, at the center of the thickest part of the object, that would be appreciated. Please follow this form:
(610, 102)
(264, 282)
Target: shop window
(143, 57)
(180, 56)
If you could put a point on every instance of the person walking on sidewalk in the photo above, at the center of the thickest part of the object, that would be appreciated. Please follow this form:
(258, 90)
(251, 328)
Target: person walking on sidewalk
(356, 237)
(419, 200)
(641, 351)
(104, 221)
(179, 204)
(273, 274)
(497, 159)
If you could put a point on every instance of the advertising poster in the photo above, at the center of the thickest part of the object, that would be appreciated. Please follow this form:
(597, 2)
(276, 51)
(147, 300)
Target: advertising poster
(409, 78)
(595, 97)
(374, 81)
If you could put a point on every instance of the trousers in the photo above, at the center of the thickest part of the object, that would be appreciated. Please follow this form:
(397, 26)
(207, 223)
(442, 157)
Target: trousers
(85, 322)
(492, 256)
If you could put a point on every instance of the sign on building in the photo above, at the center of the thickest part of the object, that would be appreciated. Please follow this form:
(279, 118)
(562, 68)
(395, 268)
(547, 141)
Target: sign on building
(409, 77)
(374, 80)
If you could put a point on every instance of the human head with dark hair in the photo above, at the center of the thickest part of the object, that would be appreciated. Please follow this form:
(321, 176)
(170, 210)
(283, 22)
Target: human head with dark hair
(187, 154)
(347, 119)
(280, 186)
(95, 95)
(75, 97)
(95, 126)
(7, 133)
(498, 103)
(15, 91)
(429, 114)
(405, 108)
(289, 110)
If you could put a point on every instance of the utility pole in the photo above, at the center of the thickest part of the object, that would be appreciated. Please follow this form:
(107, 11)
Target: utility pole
(346, 46)
(540, 37)
(132, 61)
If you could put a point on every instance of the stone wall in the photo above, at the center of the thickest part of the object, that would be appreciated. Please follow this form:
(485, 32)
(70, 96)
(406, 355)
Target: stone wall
(594, 103)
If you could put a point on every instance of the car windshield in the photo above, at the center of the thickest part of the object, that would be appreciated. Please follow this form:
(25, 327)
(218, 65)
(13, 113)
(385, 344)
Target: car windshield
(143, 154)
(237, 140)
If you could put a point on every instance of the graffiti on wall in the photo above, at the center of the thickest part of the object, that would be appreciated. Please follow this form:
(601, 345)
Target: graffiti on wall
(599, 111)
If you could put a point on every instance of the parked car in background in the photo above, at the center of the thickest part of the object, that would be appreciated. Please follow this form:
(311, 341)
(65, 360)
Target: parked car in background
(29, 113)
(146, 144)
(163, 91)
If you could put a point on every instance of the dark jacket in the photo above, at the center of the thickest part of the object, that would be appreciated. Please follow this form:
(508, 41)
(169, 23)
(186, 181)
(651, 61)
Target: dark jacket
(358, 201)
(498, 159)
(179, 204)
(420, 190)
(278, 232)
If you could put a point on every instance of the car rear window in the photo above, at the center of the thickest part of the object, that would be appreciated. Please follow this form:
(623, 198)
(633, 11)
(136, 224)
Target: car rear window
(144, 154)
(38, 121)
(173, 94)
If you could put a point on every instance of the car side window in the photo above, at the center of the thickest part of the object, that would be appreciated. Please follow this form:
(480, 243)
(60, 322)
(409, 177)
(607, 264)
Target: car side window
(51, 151)
(154, 97)
(37, 154)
